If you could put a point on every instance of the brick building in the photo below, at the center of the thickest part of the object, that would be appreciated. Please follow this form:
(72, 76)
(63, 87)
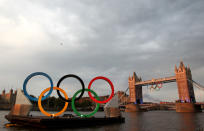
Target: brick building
(7, 99)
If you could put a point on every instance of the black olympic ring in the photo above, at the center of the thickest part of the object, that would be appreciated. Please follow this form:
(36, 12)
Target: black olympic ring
(74, 76)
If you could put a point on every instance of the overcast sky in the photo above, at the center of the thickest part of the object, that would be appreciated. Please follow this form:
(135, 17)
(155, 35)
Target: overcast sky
(93, 38)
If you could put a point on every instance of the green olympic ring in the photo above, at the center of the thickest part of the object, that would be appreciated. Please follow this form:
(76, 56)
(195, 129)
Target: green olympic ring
(74, 108)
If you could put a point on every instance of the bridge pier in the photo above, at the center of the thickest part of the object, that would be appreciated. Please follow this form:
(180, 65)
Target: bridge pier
(188, 107)
(132, 108)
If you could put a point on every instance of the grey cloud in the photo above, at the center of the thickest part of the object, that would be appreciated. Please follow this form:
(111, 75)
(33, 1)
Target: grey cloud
(111, 38)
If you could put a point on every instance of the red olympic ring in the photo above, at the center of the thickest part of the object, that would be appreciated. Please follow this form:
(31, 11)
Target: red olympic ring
(109, 82)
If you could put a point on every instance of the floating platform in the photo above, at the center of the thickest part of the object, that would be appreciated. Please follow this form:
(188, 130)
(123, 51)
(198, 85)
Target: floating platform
(62, 122)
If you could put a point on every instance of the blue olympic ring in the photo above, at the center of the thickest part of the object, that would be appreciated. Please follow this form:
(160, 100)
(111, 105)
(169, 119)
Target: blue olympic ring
(29, 77)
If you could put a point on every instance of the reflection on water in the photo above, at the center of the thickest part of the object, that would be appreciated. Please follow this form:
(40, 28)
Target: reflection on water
(191, 122)
(138, 121)
(164, 121)
(188, 121)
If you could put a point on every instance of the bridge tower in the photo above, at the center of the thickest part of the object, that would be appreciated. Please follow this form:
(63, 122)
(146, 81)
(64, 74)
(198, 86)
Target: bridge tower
(135, 94)
(135, 91)
(187, 100)
(185, 87)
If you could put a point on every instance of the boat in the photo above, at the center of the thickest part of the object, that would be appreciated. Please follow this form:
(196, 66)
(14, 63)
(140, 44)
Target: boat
(19, 116)
(62, 121)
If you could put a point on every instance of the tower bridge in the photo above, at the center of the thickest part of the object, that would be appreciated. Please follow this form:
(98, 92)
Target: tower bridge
(182, 77)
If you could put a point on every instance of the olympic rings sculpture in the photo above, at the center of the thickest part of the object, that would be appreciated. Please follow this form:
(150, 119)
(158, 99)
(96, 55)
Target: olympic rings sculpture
(66, 100)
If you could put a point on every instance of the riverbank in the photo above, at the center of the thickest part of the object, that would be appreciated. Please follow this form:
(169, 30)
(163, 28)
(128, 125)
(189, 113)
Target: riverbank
(56, 109)
(148, 107)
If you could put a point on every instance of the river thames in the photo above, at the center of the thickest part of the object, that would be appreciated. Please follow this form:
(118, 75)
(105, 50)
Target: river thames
(141, 121)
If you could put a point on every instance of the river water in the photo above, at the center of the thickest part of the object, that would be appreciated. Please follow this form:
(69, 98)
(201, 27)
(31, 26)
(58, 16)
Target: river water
(141, 121)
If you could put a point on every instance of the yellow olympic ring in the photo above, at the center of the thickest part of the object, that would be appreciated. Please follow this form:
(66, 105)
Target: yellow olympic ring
(41, 108)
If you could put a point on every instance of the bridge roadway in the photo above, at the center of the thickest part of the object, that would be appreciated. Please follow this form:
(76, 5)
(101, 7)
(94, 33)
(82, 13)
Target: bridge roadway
(155, 81)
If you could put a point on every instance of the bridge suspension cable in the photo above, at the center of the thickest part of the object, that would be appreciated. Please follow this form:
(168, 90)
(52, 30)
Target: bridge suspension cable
(199, 86)
(123, 95)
